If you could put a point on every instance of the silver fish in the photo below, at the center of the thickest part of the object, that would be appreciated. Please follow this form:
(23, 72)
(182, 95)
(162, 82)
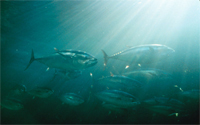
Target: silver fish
(119, 82)
(71, 99)
(142, 54)
(67, 60)
(41, 92)
(118, 98)
(12, 104)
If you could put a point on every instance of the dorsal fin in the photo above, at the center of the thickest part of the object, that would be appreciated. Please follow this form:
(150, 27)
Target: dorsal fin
(106, 57)
(153, 74)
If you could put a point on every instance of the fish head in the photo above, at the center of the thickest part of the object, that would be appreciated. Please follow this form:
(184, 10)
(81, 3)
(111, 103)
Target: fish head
(75, 74)
(86, 61)
(12, 104)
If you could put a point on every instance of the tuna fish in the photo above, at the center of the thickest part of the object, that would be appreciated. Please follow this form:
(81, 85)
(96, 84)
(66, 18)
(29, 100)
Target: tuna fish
(118, 98)
(119, 82)
(165, 106)
(12, 104)
(143, 54)
(146, 75)
(66, 60)
(17, 90)
(71, 99)
(41, 92)
(190, 94)
(164, 101)
(165, 110)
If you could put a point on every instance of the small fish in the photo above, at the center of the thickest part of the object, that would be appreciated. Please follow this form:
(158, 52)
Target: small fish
(71, 99)
(12, 104)
(41, 92)
(143, 54)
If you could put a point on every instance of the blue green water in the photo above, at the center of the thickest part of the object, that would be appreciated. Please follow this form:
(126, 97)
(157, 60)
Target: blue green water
(91, 26)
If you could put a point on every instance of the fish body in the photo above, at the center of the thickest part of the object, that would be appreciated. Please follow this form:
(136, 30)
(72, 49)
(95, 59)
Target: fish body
(66, 60)
(118, 98)
(149, 74)
(119, 82)
(164, 101)
(191, 94)
(164, 110)
(41, 92)
(71, 99)
(11, 104)
(143, 54)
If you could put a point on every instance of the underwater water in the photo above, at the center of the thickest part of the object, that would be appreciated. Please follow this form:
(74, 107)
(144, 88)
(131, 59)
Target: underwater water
(70, 86)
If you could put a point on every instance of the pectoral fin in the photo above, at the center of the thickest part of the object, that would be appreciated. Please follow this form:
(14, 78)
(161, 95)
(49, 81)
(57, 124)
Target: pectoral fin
(153, 74)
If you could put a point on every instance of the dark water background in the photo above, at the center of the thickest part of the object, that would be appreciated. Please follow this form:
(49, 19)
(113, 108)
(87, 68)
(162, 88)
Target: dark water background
(91, 26)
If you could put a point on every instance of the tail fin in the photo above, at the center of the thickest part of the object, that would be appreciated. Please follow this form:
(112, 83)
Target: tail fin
(31, 60)
(105, 58)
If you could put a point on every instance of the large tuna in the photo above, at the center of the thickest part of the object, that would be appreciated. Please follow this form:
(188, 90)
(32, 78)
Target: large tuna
(143, 54)
(68, 60)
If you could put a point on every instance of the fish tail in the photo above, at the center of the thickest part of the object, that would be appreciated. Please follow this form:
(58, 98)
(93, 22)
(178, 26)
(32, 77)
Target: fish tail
(106, 57)
(31, 60)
